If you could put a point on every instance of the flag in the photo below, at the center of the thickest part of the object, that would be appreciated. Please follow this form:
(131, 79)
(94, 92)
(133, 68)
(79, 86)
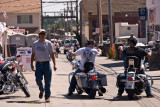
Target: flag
(5, 15)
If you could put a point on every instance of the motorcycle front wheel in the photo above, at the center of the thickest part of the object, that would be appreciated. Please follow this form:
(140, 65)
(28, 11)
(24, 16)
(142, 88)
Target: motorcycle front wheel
(24, 88)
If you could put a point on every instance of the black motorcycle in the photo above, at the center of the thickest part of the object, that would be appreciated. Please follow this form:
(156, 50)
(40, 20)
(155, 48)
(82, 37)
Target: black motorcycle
(133, 82)
(90, 81)
(11, 77)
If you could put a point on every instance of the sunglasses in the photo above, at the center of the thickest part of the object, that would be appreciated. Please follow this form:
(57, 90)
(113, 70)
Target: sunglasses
(42, 33)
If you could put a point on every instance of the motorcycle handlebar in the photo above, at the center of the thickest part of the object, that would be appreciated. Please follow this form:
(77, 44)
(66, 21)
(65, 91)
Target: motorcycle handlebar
(13, 58)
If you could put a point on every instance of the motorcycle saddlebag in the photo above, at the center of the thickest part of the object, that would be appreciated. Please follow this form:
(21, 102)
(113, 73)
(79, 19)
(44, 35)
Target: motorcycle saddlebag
(103, 78)
(119, 78)
(81, 80)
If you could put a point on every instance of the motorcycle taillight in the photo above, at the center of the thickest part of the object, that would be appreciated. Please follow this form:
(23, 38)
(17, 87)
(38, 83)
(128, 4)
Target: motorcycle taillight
(94, 77)
(21, 65)
(130, 78)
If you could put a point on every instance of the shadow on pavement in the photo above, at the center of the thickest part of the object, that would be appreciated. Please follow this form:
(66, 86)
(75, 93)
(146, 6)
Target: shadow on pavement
(155, 78)
(62, 74)
(80, 97)
(119, 64)
(124, 98)
(27, 102)
(10, 97)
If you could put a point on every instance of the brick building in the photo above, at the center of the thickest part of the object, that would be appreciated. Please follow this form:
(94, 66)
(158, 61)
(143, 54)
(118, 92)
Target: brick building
(122, 11)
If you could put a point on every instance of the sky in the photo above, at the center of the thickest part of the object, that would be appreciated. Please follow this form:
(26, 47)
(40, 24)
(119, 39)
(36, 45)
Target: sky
(47, 7)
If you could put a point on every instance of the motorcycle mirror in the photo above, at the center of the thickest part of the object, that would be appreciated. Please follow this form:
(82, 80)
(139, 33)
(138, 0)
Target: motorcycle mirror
(18, 55)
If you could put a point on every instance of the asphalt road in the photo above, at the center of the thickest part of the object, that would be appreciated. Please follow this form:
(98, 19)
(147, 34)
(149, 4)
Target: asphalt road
(59, 89)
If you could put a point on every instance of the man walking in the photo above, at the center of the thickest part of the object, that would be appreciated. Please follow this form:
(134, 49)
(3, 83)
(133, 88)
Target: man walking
(42, 52)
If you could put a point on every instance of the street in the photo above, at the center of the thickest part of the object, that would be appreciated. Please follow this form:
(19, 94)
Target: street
(59, 89)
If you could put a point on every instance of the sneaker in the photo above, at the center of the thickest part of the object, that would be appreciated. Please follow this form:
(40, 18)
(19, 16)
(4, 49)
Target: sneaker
(47, 100)
(70, 93)
(41, 95)
(150, 95)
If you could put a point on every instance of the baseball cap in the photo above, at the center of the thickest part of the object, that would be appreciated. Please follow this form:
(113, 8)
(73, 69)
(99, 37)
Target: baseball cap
(42, 30)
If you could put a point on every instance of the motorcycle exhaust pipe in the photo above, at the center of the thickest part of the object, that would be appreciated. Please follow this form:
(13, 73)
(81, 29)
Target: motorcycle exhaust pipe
(2, 88)
(103, 90)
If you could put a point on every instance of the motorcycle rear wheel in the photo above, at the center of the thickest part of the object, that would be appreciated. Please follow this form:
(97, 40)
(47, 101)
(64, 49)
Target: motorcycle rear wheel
(92, 94)
(131, 94)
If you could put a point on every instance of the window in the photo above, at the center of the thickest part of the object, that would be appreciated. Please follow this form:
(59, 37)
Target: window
(129, 28)
(24, 19)
(153, 1)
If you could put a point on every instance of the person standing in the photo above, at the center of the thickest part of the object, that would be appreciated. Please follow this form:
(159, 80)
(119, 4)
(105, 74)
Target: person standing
(42, 53)
(121, 48)
(131, 36)
(56, 47)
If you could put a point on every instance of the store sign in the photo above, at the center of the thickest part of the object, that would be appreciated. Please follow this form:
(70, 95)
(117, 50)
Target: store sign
(22, 31)
(142, 14)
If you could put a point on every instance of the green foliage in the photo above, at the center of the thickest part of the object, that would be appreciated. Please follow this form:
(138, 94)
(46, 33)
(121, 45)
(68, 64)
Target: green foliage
(110, 54)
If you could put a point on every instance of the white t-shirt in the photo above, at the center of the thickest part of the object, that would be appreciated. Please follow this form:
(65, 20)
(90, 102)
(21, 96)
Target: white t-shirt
(55, 46)
(87, 54)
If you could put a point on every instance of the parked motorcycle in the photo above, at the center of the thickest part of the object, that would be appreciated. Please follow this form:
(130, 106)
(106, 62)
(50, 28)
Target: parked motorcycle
(133, 82)
(90, 81)
(11, 77)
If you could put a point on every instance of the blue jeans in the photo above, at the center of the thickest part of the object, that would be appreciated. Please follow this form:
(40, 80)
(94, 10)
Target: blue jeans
(148, 88)
(44, 69)
(124, 59)
(73, 83)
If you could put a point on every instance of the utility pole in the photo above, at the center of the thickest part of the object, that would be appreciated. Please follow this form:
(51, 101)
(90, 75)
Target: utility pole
(100, 21)
(41, 15)
(77, 16)
(71, 20)
(64, 23)
(110, 22)
(67, 19)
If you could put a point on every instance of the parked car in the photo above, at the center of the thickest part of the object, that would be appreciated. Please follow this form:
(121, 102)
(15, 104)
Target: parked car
(70, 42)
(118, 40)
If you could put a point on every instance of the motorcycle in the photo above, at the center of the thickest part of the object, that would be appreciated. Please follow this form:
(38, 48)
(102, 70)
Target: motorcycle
(133, 82)
(11, 77)
(69, 56)
(75, 64)
(90, 81)
(145, 61)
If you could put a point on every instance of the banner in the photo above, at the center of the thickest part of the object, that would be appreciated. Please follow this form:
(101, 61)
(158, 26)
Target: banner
(152, 15)
(142, 29)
